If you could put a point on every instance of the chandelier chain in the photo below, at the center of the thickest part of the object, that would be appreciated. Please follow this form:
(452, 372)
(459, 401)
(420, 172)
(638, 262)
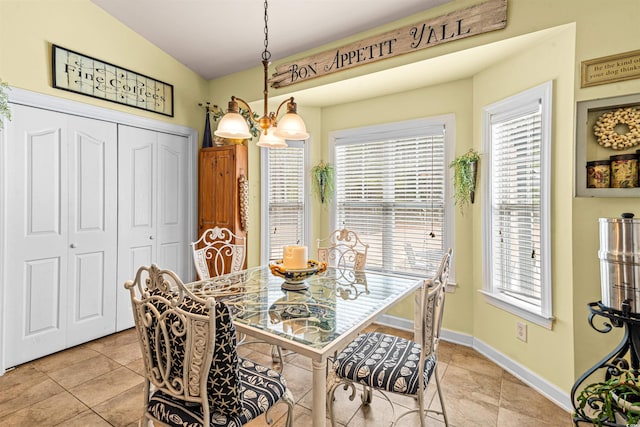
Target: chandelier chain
(266, 55)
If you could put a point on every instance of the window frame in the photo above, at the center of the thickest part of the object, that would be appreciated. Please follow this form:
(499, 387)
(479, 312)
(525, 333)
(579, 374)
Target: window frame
(508, 108)
(264, 197)
(408, 129)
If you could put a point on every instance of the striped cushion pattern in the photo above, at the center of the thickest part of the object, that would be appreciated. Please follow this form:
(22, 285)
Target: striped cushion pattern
(260, 388)
(384, 362)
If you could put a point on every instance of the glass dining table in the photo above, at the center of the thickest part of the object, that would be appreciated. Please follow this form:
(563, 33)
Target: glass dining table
(314, 322)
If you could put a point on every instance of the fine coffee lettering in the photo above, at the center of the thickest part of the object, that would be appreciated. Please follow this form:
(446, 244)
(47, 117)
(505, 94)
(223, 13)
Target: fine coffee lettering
(117, 84)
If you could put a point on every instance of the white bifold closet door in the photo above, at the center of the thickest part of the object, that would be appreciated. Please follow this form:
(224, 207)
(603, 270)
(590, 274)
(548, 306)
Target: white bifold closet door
(153, 172)
(61, 233)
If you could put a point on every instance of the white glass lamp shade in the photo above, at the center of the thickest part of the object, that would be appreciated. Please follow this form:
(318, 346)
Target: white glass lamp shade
(291, 126)
(234, 126)
(269, 140)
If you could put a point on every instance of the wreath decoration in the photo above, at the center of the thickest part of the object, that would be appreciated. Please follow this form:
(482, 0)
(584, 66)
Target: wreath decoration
(608, 137)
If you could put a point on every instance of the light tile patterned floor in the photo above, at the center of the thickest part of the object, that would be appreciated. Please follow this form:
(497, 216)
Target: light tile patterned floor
(100, 384)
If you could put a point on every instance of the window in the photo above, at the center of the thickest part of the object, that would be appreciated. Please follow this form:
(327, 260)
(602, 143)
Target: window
(391, 190)
(516, 231)
(284, 199)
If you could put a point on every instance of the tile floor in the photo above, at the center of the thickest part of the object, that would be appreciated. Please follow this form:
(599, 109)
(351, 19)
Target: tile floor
(100, 384)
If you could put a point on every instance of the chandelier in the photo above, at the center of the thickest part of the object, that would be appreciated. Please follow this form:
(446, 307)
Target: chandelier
(274, 132)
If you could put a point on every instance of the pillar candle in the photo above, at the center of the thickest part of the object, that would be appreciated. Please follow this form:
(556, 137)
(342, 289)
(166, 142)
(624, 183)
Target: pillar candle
(294, 257)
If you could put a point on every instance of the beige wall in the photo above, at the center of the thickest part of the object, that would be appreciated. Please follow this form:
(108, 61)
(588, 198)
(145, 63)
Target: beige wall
(550, 60)
(29, 27)
(587, 29)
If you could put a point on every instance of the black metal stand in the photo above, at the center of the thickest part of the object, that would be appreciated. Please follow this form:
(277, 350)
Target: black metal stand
(624, 357)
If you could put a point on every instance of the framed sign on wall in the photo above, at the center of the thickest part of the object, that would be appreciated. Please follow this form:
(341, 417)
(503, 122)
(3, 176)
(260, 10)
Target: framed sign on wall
(75, 72)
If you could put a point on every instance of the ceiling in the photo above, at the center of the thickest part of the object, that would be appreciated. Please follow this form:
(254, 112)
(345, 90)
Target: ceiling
(219, 37)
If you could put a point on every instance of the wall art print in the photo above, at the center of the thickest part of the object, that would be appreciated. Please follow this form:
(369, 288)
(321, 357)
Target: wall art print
(75, 72)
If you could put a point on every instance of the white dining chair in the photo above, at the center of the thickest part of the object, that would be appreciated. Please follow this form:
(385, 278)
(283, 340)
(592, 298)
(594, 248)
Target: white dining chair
(193, 374)
(343, 249)
(218, 251)
(389, 364)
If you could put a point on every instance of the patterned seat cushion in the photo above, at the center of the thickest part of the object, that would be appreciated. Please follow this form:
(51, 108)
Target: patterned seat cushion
(260, 388)
(384, 362)
(223, 378)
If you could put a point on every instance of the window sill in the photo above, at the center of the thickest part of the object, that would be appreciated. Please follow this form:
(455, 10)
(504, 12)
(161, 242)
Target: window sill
(519, 310)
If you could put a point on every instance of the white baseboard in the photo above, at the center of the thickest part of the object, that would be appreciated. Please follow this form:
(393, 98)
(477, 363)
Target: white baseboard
(524, 374)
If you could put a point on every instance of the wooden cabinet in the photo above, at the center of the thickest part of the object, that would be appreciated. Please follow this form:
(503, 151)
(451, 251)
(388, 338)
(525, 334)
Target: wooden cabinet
(219, 195)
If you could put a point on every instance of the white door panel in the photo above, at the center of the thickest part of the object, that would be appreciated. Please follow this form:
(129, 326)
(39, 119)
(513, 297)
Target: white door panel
(153, 170)
(93, 230)
(41, 298)
(62, 272)
(173, 240)
(136, 210)
(43, 162)
(62, 231)
(36, 258)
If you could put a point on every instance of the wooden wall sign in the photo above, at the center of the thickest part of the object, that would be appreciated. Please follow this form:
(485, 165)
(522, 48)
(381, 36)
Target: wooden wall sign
(83, 74)
(474, 20)
(609, 69)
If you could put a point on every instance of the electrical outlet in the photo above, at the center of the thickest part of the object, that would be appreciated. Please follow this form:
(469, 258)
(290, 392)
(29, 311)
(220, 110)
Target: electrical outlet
(521, 331)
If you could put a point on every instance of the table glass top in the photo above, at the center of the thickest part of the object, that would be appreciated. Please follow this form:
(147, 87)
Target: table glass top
(335, 302)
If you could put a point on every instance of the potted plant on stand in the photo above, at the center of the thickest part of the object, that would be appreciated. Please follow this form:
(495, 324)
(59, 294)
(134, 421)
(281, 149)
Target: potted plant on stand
(465, 169)
(613, 401)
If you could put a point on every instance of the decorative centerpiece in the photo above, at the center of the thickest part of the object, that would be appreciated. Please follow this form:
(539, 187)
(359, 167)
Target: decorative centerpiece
(294, 278)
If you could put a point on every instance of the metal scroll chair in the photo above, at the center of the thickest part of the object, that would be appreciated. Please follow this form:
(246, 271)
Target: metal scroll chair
(226, 251)
(343, 249)
(389, 364)
(221, 249)
(193, 375)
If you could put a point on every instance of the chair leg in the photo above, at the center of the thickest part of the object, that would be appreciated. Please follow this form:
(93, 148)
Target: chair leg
(444, 410)
(288, 398)
(422, 411)
(277, 357)
(367, 395)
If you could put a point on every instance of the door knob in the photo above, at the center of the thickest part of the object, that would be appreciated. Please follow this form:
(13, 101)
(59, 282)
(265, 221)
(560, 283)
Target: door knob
(72, 246)
(150, 237)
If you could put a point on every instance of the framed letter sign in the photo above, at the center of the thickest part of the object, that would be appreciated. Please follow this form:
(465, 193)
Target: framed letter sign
(83, 74)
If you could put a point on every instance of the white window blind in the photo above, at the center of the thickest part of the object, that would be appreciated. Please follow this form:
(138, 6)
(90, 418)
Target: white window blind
(285, 179)
(516, 205)
(391, 192)
(516, 215)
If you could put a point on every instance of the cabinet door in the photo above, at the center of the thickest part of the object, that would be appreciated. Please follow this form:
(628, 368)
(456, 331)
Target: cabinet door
(218, 188)
(93, 230)
(219, 200)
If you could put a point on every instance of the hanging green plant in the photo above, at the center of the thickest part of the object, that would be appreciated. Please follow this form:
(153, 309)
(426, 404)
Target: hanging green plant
(4, 102)
(464, 177)
(322, 181)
